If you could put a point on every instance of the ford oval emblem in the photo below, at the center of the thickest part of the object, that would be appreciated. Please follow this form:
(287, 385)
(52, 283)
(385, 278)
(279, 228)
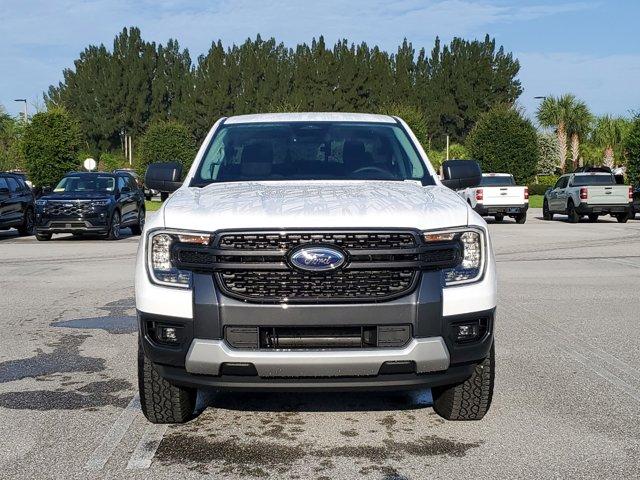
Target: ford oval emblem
(317, 259)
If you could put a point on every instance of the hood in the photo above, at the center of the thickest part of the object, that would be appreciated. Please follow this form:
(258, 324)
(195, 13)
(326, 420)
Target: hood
(76, 196)
(314, 204)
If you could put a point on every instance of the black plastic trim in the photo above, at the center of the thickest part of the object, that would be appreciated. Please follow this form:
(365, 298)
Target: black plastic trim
(585, 208)
(500, 209)
(382, 382)
(162, 353)
(468, 352)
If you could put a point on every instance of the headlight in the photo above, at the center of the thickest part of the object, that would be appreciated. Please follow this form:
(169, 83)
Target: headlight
(473, 253)
(41, 203)
(159, 262)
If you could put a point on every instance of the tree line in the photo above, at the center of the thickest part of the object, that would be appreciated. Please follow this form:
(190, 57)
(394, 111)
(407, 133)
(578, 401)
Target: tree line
(136, 83)
(466, 89)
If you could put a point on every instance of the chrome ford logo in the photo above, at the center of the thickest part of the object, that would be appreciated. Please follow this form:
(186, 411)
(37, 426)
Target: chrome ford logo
(317, 259)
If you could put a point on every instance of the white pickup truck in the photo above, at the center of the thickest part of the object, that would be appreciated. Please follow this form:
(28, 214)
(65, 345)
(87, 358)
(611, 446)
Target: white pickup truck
(588, 193)
(498, 196)
(315, 251)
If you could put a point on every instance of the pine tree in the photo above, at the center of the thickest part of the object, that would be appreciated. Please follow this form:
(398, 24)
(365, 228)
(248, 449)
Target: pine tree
(138, 82)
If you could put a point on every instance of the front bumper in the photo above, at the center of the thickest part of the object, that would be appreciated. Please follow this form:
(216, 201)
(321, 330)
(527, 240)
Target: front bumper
(94, 224)
(202, 356)
(489, 210)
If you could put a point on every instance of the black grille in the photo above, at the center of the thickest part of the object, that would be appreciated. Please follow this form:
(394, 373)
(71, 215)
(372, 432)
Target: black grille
(67, 225)
(442, 255)
(292, 285)
(68, 209)
(347, 240)
(256, 266)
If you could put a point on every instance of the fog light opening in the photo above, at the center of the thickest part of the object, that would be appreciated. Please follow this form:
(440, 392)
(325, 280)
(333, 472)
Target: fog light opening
(168, 334)
(469, 331)
(163, 333)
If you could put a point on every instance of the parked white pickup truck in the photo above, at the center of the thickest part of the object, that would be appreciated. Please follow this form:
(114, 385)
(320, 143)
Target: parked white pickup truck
(592, 194)
(498, 196)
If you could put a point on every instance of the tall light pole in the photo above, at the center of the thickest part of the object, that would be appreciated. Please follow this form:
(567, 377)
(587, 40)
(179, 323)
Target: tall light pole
(24, 100)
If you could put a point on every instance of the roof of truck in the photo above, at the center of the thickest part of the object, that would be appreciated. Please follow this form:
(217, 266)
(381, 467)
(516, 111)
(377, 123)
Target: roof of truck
(310, 117)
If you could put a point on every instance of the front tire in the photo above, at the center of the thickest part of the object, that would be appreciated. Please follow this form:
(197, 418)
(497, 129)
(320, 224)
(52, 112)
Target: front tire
(546, 213)
(28, 224)
(160, 401)
(593, 217)
(114, 226)
(43, 237)
(471, 399)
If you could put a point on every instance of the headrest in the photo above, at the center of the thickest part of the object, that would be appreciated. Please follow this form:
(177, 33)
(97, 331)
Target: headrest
(256, 160)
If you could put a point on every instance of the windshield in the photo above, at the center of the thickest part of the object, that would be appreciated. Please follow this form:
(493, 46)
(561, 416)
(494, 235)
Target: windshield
(86, 183)
(497, 181)
(311, 151)
(586, 180)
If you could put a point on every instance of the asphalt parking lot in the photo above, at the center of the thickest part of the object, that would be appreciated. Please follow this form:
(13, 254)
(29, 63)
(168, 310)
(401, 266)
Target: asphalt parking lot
(567, 400)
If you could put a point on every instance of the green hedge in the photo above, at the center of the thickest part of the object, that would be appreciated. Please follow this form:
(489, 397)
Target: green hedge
(51, 144)
(632, 147)
(544, 182)
(504, 141)
(166, 142)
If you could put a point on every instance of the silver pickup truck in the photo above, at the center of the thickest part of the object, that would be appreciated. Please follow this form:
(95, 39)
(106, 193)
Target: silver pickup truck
(592, 194)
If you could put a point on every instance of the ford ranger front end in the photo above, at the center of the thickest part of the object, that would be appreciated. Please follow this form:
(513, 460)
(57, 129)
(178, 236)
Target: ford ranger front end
(315, 251)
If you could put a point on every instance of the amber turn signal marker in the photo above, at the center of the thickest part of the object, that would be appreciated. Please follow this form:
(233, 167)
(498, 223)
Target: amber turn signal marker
(439, 237)
(197, 239)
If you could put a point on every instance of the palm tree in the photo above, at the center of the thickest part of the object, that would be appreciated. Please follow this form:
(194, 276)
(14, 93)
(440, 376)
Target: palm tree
(554, 112)
(608, 135)
(578, 126)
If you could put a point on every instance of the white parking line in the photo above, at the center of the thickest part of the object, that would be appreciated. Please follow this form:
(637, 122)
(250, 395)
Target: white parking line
(145, 450)
(103, 452)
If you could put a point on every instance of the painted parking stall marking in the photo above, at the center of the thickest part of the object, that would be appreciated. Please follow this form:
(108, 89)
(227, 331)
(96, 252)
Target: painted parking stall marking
(103, 452)
(145, 450)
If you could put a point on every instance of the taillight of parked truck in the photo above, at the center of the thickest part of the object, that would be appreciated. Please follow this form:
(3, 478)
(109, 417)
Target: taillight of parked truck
(583, 193)
(630, 193)
(479, 194)
(526, 193)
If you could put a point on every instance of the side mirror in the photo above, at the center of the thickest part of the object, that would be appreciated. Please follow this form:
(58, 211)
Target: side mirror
(548, 190)
(125, 190)
(459, 174)
(46, 190)
(164, 177)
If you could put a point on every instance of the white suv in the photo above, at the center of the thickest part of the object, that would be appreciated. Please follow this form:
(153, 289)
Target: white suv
(315, 251)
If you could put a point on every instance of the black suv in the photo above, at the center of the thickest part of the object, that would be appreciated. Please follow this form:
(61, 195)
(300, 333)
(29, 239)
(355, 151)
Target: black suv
(16, 204)
(100, 203)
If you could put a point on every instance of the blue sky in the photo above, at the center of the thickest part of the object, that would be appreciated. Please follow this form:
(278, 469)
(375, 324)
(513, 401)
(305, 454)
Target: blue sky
(589, 48)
